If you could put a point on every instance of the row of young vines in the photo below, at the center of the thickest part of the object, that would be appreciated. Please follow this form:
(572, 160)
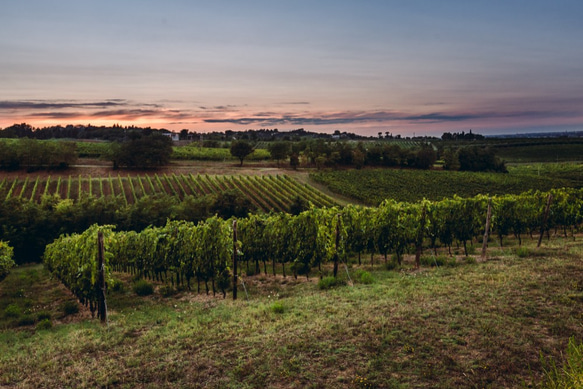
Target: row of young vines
(267, 193)
(181, 253)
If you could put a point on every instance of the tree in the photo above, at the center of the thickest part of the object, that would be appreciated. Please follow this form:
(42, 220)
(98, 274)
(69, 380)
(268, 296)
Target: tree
(241, 149)
(278, 151)
(148, 151)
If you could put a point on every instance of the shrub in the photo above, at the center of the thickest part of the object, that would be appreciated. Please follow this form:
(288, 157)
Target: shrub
(117, 286)
(43, 315)
(26, 320)
(522, 252)
(12, 310)
(44, 324)
(167, 291)
(366, 278)
(143, 288)
(277, 308)
(440, 260)
(329, 282)
(70, 308)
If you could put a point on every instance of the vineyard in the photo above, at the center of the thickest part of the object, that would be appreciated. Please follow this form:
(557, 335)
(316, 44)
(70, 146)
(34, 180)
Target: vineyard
(266, 193)
(372, 186)
(181, 252)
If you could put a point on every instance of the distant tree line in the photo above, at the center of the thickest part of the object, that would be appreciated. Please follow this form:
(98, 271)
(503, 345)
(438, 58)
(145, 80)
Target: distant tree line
(448, 136)
(474, 159)
(33, 155)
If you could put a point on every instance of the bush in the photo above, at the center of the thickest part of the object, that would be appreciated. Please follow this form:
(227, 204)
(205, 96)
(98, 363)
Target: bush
(117, 286)
(70, 308)
(440, 260)
(522, 252)
(26, 320)
(167, 291)
(13, 311)
(44, 315)
(143, 288)
(44, 324)
(366, 278)
(329, 282)
(277, 308)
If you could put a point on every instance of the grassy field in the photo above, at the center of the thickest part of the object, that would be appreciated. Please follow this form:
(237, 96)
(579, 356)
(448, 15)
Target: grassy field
(468, 325)
(371, 186)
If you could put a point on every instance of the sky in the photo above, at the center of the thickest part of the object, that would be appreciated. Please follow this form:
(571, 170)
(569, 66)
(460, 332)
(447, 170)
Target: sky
(407, 67)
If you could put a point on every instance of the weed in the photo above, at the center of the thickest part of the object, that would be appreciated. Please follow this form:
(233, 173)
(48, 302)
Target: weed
(143, 288)
(12, 311)
(70, 308)
(277, 308)
(522, 252)
(44, 324)
(365, 278)
(570, 375)
(43, 315)
(167, 291)
(329, 282)
(26, 320)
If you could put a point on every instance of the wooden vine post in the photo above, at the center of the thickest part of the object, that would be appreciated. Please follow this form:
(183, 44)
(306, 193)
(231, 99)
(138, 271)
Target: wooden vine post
(234, 259)
(336, 246)
(487, 229)
(545, 218)
(419, 240)
(101, 302)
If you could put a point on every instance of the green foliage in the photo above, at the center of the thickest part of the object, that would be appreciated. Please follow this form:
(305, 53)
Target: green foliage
(277, 308)
(570, 374)
(372, 186)
(440, 260)
(6, 261)
(329, 282)
(241, 149)
(34, 154)
(196, 153)
(70, 308)
(44, 324)
(26, 320)
(479, 159)
(43, 315)
(523, 252)
(364, 277)
(13, 311)
(143, 288)
(167, 291)
(143, 152)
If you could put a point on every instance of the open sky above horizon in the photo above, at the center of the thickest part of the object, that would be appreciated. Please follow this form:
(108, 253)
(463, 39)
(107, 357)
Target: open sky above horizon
(423, 67)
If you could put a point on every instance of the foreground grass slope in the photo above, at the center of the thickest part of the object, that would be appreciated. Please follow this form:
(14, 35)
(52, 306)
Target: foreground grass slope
(470, 325)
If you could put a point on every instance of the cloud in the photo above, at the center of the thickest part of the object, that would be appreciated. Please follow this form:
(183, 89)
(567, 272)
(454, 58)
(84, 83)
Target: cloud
(355, 117)
(44, 104)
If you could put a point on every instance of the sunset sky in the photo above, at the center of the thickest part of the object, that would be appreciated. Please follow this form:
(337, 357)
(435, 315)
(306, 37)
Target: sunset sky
(423, 67)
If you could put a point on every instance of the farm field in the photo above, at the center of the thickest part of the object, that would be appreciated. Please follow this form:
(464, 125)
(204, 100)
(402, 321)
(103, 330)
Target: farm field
(464, 325)
(266, 192)
(371, 186)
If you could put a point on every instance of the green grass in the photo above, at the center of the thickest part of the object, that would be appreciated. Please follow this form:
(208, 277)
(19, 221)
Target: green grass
(473, 325)
(372, 186)
(214, 154)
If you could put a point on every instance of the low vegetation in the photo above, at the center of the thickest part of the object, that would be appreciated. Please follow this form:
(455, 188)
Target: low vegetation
(372, 186)
(472, 325)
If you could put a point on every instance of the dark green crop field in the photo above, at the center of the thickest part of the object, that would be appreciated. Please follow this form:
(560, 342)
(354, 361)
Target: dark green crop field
(372, 186)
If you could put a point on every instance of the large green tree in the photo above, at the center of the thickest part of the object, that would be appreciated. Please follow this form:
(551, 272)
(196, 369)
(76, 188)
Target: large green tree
(241, 149)
(148, 151)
